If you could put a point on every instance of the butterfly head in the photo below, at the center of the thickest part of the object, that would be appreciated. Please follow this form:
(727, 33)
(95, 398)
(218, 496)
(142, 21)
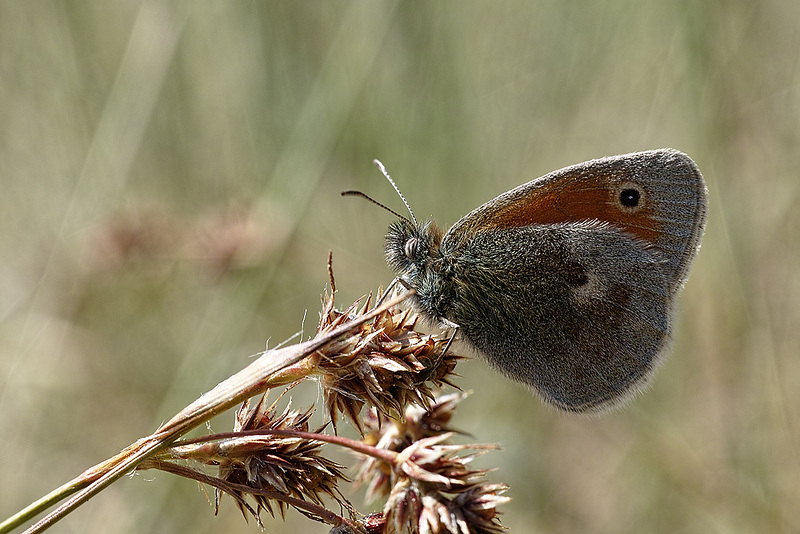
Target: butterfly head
(413, 249)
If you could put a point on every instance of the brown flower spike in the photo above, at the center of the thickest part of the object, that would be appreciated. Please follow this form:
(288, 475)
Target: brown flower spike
(429, 485)
(286, 465)
(360, 356)
(387, 364)
(397, 435)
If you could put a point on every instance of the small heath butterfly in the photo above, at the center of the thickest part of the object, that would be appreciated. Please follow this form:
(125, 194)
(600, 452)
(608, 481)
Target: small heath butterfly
(566, 283)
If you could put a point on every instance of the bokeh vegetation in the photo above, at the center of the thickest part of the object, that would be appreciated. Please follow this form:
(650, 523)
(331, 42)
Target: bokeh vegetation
(169, 190)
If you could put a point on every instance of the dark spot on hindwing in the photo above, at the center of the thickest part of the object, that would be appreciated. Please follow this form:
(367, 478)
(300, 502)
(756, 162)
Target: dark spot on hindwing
(575, 275)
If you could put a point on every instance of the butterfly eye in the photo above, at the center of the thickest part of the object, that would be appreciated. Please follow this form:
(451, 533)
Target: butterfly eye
(631, 197)
(411, 248)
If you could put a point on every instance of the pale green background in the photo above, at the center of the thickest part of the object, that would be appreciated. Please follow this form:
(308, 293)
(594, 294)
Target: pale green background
(175, 118)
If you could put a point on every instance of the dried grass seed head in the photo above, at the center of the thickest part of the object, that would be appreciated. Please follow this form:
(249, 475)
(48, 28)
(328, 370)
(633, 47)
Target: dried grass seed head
(397, 435)
(288, 465)
(387, 363)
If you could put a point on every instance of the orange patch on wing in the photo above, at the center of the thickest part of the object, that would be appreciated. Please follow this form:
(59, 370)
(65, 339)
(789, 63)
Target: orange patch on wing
(579, 200)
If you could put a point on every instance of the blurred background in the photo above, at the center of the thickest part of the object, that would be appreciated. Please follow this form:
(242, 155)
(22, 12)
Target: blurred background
(169, 191)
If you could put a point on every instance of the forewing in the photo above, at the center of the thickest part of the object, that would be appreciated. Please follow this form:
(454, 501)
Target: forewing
(669, 214)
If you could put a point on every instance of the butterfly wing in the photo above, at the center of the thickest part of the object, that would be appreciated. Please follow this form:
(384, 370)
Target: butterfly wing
(578, 311)
(567, 282)
(658, 196)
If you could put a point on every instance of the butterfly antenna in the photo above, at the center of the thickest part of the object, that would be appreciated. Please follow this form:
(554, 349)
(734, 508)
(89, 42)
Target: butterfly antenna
(386, 174)
(352, 193)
